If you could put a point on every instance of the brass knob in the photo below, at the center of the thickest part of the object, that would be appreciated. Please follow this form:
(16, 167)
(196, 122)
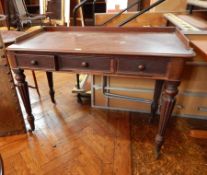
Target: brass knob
(34, 62)
(141, 67)
(84, 64)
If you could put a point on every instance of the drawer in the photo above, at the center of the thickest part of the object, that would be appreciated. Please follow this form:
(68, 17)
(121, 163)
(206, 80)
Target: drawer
(142, 66)
(86, 63)
(31, 61)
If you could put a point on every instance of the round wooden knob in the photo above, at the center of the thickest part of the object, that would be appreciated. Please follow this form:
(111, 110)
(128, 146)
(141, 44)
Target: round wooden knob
(84, 64)
(141, 67)
(34, 62)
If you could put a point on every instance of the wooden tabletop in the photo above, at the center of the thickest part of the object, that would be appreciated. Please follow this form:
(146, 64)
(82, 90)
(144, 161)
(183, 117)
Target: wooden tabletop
(119, 41)
(201, 45)
(10, 36)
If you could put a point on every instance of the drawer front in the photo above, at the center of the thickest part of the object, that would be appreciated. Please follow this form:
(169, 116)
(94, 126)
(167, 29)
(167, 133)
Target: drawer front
(148, 66)
(86, 63)
(35, 61)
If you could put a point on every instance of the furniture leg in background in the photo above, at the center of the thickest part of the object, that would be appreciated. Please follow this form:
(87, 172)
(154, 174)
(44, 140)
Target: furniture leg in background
(156, 97)
(50, 83)
(78, 87)
(35, 82)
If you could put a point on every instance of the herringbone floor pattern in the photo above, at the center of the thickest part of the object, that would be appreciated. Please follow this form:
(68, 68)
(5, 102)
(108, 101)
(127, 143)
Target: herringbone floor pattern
(74, 139)
(70, 138)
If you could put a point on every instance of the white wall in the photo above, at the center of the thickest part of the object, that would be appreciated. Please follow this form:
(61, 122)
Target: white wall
(42, 6)
(67, 12)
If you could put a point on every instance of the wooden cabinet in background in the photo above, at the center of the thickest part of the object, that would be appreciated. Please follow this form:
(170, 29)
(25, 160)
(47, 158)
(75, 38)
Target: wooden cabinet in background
(54, 9)
(33, 6)
(11, 119)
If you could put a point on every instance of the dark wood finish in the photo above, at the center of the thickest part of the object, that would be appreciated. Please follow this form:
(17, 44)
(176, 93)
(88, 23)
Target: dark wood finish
(156, 97)
(9, 37)
(168, 103)
(33, 6)
(135, 43)
(35, 82)
(23, 90)
(80, 18)
(50, 83)
(54, 9)
(35, 62)
(11, 117)
(85, 63)
(96, 41)
(18, 14)
(142, 65)
(2, 6)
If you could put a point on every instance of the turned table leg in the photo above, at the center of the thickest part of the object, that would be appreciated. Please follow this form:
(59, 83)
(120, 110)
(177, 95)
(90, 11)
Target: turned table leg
(24, 92)
(168, 102)
(156, 97)
(50, 83)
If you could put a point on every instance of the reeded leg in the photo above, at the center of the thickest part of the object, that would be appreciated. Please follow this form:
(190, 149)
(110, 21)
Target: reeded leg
(155, 103)
(50, 83)
(168, 102)
(23, 90)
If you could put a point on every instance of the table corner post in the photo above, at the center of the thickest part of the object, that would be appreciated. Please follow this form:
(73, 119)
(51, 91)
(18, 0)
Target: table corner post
(24, 93)
(168, 103)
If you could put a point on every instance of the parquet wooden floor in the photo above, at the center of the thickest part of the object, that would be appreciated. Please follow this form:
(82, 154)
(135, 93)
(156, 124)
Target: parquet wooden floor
(70, 138)
(74, 139)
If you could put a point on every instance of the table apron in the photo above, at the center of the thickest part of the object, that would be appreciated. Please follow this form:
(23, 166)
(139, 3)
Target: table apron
(126, 66)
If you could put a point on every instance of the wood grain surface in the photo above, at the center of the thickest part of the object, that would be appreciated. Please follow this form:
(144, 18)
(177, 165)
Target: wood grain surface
(74, 139)
(9, 37)
(69, 138)
(11, 118)
(116, 41)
